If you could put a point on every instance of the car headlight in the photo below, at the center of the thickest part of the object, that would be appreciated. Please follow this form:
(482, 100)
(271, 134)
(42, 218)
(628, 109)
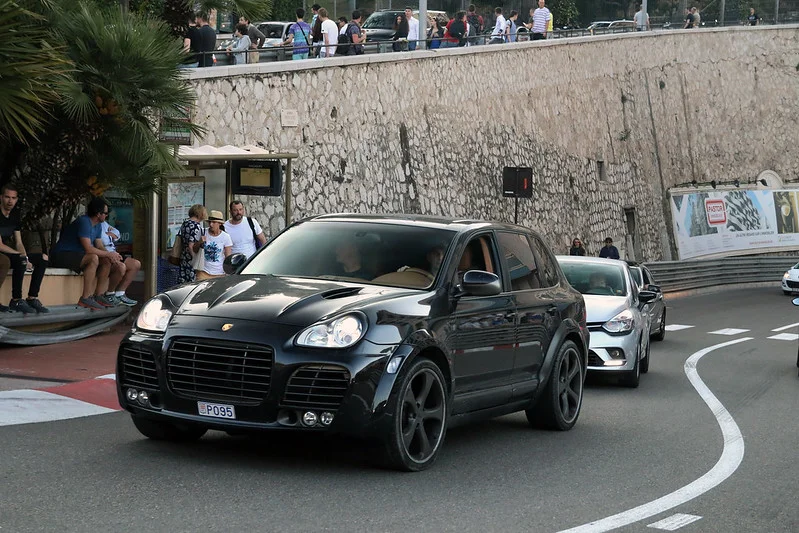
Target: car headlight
(624, 322)
(341, 332)
(786, 275)
(154, 316)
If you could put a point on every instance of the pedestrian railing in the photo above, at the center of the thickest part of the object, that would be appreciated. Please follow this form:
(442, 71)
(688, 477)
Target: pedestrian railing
(675, 276)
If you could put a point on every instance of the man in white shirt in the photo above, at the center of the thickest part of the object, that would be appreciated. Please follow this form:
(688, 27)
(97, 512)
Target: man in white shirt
(641, 19)
(540, 21)
(329, 42)
(498, 35)
(244, 234)
(413, 29)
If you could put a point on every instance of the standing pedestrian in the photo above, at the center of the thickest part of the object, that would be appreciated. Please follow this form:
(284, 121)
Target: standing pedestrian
(329, 35)
(498, 33)
(12, 247)
(753, 18)
(246, 238)
(475, 25)
(241, 46)
(207, 41)
(641, 19)
(300, 36)
(215, 245)
(191, 44)
(400, 36)
(577, 248)
(609, 251)
(540, 21)
(257, 39)
(355, 34)
(697, 17)
(191, 231)
(689, 19)
(510, 27)
(413, 29)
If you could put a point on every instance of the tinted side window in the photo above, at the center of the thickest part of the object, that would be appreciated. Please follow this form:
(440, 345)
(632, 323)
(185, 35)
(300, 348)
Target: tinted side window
(520, 260)
(547, 271)
(647, 277)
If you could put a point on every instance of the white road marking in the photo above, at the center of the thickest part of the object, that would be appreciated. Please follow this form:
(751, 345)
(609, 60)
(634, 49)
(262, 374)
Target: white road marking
(783, 328)
(29, 406)
(676, 327)
(107, 376)
(728, 331)
(675, 521)
(731, 456)
(785, 337)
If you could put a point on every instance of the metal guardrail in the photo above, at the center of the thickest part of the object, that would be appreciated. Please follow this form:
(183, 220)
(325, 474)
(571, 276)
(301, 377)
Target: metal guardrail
(674, 276)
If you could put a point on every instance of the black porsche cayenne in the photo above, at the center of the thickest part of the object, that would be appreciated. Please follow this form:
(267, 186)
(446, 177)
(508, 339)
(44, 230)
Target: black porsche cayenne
(391, 328)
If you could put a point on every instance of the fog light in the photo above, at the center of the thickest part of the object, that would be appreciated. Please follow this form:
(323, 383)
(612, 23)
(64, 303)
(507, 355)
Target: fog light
(132, 394)
(326, 418)
(393, 365)
(309, 418)
(144, 398)
(615, 353)
(616, 362)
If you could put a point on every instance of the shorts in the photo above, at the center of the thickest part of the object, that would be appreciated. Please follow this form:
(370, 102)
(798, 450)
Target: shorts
(299, 56)
(67, 259)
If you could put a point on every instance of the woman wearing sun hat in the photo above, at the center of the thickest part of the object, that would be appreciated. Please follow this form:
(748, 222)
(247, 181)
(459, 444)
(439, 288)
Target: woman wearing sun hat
(216, 246)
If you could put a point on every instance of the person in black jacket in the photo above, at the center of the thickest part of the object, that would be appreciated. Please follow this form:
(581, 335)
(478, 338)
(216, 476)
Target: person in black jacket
(207, 41)
(457, 28)
(577, 248)
(400, 36)
(609, 251)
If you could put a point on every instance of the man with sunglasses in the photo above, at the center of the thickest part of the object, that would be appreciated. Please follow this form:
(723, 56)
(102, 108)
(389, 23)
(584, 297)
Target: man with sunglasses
(76, 251)
(122, 272)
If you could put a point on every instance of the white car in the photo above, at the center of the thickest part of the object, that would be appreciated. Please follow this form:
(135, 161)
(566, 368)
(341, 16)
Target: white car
(790, 280)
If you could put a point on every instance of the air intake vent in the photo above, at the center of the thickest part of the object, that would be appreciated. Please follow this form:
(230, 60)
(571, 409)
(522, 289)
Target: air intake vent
(137, 367)
(317, 387)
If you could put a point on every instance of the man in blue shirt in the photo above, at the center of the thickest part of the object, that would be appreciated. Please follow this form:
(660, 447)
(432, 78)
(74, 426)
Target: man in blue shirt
(76, 250)
(609, 251)
(300, 35)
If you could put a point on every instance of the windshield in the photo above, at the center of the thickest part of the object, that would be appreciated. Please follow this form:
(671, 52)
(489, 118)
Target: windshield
(381, 21)
(272, 31)
(363, 252)
(595, 278)
(795, 267)
(637, 276)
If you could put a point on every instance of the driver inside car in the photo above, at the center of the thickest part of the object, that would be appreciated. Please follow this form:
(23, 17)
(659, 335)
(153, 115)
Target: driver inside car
(598, 284)
(350, 261)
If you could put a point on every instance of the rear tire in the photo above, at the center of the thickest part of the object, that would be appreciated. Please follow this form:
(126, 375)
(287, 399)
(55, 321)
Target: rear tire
(559, 405)
(419, 410)
(160, 430)
(661, 334)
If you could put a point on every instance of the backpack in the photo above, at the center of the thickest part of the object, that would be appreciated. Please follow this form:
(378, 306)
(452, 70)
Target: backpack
(254, 236)
(474, 24)
(343, 46)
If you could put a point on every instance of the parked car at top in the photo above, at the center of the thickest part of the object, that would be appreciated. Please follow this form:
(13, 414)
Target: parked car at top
(392, 328)
(614, 26)
(379, 26)
(790, 280)
(618, 325)
(276, 32)
(656, 309)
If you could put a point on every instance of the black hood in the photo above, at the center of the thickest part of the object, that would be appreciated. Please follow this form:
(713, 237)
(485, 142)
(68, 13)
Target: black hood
(290, 301)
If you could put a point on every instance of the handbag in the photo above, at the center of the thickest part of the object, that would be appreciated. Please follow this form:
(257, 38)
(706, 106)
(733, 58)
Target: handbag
(177, 250)
(198, 261)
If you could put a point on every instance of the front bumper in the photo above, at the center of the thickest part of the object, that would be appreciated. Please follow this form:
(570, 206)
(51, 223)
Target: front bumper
(255, 368)
(790, 285)
(612, 353)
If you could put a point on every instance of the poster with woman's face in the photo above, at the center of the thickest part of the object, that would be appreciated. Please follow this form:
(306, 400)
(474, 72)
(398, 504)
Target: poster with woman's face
(785, 207)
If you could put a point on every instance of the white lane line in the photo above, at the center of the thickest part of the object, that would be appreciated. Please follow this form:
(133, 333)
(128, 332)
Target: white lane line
(731, 456)
(29, 406)
(728, 331)
(783, 328)
(676, 327)
(107, 376)
(675, 522)
(785, 337)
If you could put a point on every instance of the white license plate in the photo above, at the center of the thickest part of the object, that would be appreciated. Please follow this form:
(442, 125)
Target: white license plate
(216, 410)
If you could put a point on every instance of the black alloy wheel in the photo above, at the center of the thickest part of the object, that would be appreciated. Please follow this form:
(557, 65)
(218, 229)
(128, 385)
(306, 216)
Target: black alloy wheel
(161, 430)
(661, 334)
(559, 406)
(420, 411)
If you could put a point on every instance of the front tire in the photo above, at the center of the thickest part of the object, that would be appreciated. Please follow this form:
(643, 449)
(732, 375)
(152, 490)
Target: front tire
(160, 430)
(559, 406)
(419, 409)
(632, 378)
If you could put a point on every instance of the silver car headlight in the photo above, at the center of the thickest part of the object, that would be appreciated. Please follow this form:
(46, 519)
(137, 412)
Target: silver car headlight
(341, 332)
(624, 322)
(154, 316)
(787, 275)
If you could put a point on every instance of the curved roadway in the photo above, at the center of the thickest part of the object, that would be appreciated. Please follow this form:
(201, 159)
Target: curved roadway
(656, 457)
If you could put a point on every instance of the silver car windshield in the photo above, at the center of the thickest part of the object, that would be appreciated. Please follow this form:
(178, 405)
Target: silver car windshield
(595, 278)
(395, 255)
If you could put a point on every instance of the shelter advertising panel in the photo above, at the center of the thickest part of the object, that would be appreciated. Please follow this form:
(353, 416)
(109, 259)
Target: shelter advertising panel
(714, 222)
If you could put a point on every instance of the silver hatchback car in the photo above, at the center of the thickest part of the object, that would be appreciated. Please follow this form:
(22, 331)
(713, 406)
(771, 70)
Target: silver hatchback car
(656, 309)
(618, 325)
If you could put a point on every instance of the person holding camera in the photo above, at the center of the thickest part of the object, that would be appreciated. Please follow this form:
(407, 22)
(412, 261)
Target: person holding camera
(12, 247)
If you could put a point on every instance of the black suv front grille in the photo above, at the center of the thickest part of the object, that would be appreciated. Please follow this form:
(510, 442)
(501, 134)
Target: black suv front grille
(137, 367)
(317, 387)
(205, 369)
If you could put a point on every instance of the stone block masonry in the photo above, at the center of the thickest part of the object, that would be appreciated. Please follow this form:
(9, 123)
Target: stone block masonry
(606, 122)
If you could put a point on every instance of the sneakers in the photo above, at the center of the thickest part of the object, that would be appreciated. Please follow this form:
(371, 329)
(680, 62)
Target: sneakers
(90, 303)
(35, 304)
(124, 300)
(4, 309)
(106, 300)
(21, 306)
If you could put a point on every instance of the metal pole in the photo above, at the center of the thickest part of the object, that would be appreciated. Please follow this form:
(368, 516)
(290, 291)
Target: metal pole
(721, 15)
(422, 37)
(776, 11)
(644, 13)
(287, 197)
(151, 258)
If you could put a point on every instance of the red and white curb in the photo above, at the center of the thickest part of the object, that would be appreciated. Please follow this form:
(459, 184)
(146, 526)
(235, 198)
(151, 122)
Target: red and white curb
(74, 400)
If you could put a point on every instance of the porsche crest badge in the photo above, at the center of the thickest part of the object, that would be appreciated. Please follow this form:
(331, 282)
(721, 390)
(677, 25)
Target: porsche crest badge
(226, 327)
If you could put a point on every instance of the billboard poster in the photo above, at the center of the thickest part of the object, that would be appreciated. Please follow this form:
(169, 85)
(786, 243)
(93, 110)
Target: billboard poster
(180, 196)
(716, 222)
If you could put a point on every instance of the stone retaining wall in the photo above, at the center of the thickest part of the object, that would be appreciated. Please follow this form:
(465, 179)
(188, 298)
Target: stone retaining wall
(429, 131)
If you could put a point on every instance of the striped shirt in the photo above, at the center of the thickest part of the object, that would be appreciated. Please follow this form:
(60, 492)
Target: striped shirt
(540, 20)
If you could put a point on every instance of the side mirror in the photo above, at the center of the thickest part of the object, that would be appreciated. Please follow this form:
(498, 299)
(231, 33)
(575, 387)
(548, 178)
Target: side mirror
(646, 296)
(653, 288)
(233, 263)
(480, 283)
(795, 301)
